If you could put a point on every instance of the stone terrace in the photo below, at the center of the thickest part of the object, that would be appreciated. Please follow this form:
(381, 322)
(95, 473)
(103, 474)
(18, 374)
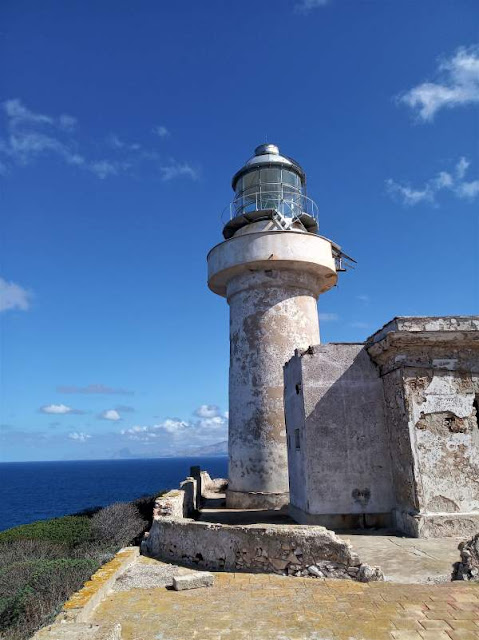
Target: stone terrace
(272, 607)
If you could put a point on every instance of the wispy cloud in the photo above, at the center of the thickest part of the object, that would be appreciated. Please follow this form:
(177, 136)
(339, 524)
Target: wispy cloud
(116, 143)
(60, 409)
(110, 414)
(95, 389)
(207, 411)
(176, 169)
(305, 6)
(79, 436)
(13, 296)
(31, 137)
(328, 317)
(161, 131)
(457, 84)
(363, 297)
(453, 181)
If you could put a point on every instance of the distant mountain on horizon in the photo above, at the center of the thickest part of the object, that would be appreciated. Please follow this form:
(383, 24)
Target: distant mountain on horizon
(212, 450)
(217, 449)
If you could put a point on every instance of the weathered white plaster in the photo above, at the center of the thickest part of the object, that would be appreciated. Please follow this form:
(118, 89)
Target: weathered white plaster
(271, 280)
(338, 450)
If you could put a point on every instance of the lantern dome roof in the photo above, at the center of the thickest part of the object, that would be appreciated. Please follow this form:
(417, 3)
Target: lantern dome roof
(268, 155)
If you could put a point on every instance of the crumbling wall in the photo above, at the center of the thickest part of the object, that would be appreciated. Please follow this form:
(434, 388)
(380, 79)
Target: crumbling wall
(289, 550)
(400, 444)
(443, 419)
(430, 373)
(284, 549)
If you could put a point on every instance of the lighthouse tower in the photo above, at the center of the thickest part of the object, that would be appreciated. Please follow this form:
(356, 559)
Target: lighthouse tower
(271, 268)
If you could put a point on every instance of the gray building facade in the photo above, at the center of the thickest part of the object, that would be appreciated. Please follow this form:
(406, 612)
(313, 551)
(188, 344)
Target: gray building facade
(386, 433)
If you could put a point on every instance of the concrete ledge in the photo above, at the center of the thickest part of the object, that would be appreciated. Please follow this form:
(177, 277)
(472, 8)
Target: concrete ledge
(438, 525)
(338, 521)
(79, 631)
(81, 604)
(256, 500)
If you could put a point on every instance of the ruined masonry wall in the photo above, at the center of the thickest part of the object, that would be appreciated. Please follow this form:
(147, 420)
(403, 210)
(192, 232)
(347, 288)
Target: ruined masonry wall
(283, 549)
(255, 548)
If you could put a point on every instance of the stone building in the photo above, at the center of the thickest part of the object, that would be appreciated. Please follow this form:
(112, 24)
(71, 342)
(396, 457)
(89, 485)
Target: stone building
(381, 434)
(386, 433)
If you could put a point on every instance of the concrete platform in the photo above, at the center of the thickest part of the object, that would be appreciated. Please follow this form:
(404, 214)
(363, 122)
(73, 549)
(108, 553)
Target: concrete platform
(403, 560)
(407, 560)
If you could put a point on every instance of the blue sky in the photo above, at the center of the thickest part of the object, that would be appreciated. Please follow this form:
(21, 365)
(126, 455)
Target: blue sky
(121, 125)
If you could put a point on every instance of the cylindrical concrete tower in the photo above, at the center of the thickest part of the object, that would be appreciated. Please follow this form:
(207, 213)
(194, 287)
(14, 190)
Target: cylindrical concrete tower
(271, 268)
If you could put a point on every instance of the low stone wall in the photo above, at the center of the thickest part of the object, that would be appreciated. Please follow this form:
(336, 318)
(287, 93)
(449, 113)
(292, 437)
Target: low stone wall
(284, 549)
(297, 550)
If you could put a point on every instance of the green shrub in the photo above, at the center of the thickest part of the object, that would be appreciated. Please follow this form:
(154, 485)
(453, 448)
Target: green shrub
(31, 591)
(117, 525)
(70, 530)
(43, 563)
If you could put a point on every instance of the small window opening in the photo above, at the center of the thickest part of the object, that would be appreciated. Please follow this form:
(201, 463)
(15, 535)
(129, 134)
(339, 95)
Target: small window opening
(475, 405)
(297, 441)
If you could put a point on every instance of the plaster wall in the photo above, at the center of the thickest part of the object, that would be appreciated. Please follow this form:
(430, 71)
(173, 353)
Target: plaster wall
(444, 422)
(295, 421)
(271, 313)
(344, 448)
(271, 280)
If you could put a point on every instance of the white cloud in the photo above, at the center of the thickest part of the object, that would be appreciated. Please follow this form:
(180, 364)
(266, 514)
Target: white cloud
(13, 296)
(79, 436)
(468, 190)
(209, 426)
(56, 408)
(305, 6)
(328, 317)
(451, 181)
(360, 325)
(178, 169)
(161, 131)
(110, 414)
(457, 85)
(207, 411)
(363, 297)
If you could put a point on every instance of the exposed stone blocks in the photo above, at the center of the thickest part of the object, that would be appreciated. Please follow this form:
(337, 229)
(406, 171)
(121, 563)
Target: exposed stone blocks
(284, 549)
(193, 581)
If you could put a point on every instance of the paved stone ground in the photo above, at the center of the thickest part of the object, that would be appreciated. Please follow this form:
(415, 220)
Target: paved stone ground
(269, 607)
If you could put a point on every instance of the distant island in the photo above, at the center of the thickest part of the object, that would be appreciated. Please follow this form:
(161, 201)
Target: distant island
(211, 450)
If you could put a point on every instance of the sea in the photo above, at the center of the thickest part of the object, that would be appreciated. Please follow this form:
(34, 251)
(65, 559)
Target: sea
(31, 491)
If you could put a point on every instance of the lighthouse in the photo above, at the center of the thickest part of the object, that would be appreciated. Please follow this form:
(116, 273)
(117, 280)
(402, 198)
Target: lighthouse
(271, 268)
